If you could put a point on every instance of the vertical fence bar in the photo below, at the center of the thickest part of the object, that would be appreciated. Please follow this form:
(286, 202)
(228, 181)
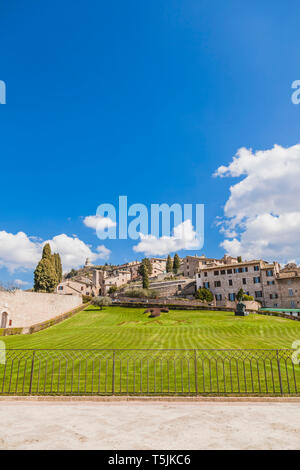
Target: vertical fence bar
(279, 372)
(113, 374)
(196, 371)
(31, 373)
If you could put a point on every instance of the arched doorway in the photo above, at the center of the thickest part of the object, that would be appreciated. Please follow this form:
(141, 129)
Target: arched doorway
(4, 320)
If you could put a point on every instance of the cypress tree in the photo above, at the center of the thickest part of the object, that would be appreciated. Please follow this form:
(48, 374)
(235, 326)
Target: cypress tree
(45, 277)
(176, 263)
(145, 277)
(169, 265)
(58, 267)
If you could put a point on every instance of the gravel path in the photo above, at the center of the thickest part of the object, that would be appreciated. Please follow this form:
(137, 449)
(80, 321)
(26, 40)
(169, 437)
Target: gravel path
(149, 425)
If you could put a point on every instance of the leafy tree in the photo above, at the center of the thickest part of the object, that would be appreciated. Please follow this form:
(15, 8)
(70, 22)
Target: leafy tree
(169, 266)
(239, 259)
(145, 262)
(112, 290)
(239, 295)
(204, 294)
(101, 301)
(145, 276)
(176, 263)
(71, 274)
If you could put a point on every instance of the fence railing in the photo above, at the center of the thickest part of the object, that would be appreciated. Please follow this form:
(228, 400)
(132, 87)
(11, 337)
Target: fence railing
(149, 372)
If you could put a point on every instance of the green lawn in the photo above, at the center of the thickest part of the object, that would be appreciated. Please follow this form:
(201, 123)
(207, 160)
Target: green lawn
(118, 327)
(181, 364)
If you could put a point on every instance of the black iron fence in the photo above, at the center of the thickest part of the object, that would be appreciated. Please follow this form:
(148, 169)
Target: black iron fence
(149, 372)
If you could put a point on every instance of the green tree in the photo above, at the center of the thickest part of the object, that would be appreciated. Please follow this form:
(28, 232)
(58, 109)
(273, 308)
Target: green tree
(239, 259)
(145, 262)
(169, 265)
(112, 290)
(204, 294)
(145, 277)
(176, 263)
(71, 274)
(58, 267)
(240, 295)
(101, 301)
(247, 297)
(45, 275)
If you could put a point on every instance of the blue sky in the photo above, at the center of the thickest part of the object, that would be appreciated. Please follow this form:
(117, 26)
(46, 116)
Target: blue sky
(145, 99)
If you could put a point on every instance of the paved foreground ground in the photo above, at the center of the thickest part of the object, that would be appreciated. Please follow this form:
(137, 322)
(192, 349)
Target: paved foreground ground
(149, 425)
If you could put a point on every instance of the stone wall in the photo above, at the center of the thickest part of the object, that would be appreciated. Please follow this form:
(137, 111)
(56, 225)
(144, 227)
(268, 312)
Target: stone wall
(23, 309)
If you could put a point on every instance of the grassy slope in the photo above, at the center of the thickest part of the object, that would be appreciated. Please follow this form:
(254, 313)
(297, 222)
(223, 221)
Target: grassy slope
(117, 327)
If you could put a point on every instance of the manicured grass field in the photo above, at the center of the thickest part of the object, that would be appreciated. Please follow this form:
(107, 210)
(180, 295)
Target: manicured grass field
(118, 327)
(173, 354)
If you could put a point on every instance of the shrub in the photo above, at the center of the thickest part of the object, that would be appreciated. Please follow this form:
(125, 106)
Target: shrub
(142, 293)
(86, 299)
(247, 297)
(204, 294)
(101, 301)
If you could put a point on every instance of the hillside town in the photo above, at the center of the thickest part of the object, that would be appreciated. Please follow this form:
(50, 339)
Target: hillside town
(269, 284)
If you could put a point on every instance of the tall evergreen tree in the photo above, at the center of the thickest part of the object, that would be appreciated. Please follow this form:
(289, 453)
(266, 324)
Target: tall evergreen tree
(58, 267)
(176, 263)
(169, 265)
(145, 277)
(45, 276)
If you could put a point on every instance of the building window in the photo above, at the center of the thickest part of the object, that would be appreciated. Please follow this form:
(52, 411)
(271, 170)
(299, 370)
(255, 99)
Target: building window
(60, 287)
(256, 280)
(269, 272)
(258, 294)
(256, 268)
(293, 304)
(199, 275)
(223, 271)
(244, 280)
(217, 283)
(206, 285)
(230, 282)
(291, 293)
(274, 296)
(231, 296)
(229, 271)
(218, 296)
(216, 273)
(205, 274)
(270, 283)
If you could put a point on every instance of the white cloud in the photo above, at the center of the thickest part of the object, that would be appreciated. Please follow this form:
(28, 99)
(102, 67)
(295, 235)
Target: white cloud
(98, 222)
(21, 252)
(184, 238)
(20, 283)
(18, 251)
(262, 214)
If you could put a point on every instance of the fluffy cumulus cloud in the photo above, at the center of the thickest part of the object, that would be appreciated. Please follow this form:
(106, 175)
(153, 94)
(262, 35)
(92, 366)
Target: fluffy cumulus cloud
(98, 222)
(184, 238)
(21, 252)
(262, 214)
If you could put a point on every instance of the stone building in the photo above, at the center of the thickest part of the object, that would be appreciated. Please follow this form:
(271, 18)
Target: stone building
(193, 264)
(103, 280)
(257, 278)
(82, 286)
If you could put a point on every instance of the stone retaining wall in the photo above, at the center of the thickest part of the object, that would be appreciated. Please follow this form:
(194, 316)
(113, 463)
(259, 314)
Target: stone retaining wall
(23, 309)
